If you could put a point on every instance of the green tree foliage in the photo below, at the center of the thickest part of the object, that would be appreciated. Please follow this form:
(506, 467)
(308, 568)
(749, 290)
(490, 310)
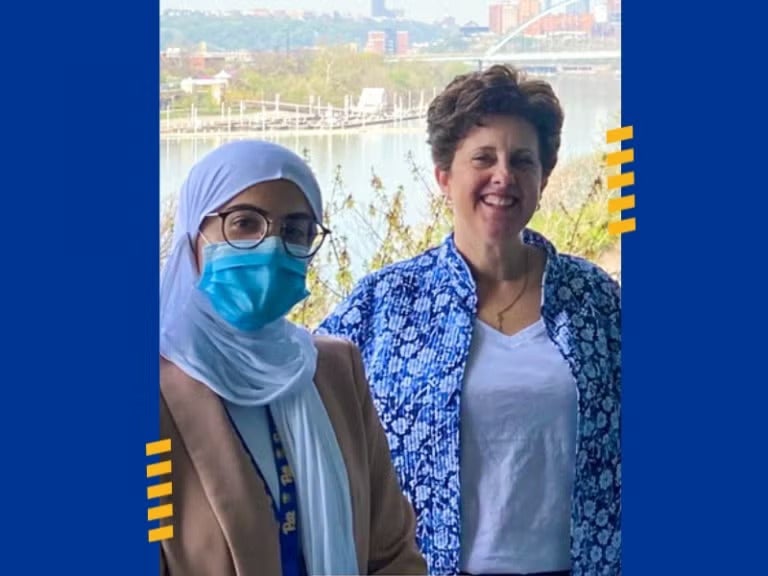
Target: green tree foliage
(333, 73)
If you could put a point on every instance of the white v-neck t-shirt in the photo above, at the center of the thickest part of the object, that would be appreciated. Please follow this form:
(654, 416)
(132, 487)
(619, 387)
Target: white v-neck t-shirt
(518, 443)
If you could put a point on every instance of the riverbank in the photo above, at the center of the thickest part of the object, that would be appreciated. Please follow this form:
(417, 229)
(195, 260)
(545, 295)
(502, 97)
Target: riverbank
(287, 123)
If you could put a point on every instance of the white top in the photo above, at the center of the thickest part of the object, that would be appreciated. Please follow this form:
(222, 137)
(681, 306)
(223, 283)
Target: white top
(518, 443)
(253, 424)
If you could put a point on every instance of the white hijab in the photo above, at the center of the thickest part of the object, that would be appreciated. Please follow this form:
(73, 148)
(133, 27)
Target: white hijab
(274, 366)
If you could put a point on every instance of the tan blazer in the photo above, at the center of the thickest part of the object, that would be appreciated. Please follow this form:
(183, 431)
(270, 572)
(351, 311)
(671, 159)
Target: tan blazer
(222, 516)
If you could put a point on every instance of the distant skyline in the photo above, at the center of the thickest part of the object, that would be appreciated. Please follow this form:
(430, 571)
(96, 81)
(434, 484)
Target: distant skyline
(428, 10)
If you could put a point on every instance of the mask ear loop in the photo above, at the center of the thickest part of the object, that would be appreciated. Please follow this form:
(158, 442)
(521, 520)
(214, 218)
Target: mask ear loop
(193, 248)
(191, 241)
(199, 231)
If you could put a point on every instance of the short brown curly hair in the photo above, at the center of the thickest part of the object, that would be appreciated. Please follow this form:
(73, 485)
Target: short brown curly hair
(499, 90)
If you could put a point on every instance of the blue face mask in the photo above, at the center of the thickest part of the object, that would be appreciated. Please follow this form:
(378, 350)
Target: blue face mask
(253, 287)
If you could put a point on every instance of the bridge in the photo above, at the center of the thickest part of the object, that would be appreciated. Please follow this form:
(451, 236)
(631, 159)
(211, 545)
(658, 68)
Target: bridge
(500, 53)
(538, 58)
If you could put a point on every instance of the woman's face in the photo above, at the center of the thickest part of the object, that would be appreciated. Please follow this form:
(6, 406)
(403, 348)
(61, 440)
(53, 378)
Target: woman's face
(495, 180)
(280, 200)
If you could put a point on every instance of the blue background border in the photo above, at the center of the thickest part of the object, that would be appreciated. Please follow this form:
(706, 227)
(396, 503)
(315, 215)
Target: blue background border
(694, 401)
(80, 285)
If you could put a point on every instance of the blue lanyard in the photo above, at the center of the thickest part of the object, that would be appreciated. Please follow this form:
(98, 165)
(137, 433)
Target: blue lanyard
(285, 508)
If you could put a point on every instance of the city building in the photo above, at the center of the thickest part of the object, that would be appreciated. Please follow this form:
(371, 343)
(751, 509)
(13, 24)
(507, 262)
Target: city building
(388, 42)
(503, 17)
(527, 9)
(579, 7)
(214, 86)
(403, 42)
(377, 42)
(551, 23)
(379, 9)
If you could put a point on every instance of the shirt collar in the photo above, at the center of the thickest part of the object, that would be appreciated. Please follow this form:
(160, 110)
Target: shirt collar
(460, 277)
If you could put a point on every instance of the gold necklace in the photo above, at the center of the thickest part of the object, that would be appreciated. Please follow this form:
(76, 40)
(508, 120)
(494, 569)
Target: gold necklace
(500, 315)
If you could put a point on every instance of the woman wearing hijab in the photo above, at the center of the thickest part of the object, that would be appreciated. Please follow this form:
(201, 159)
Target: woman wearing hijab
(280, 464)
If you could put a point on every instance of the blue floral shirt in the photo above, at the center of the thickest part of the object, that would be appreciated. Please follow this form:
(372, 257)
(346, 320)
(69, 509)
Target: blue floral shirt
(413, 322)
